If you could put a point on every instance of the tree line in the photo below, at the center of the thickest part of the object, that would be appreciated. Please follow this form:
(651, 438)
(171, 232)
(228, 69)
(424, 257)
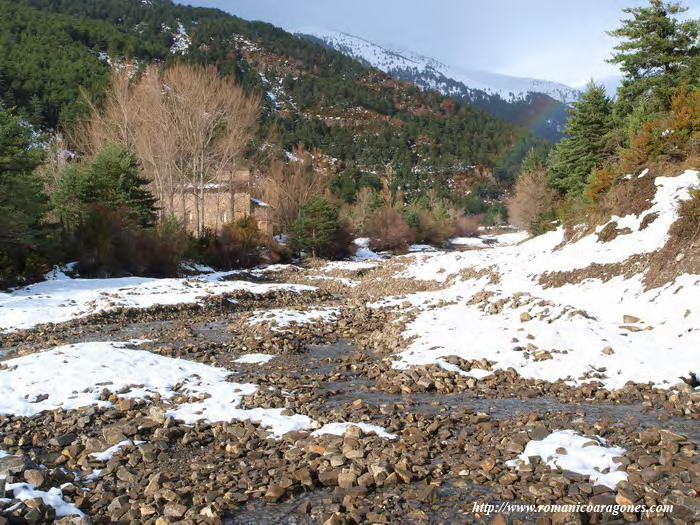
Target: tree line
(655, 118)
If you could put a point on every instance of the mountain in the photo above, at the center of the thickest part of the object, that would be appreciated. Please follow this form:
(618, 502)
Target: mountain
(360, 118)
(539, 105)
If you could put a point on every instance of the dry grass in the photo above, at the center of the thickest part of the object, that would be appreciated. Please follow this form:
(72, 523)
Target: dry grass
(681, 254)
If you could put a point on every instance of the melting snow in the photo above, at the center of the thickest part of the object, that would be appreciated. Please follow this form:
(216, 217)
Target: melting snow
(52, 497)
(282, 317)
(62, 298)
(255, 359)
(338, 429)
(107, 454)
(661, 347)
(583, 455)
(32, 384)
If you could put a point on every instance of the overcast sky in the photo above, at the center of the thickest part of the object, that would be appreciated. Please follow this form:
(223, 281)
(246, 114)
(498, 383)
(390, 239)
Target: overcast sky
(561, 40)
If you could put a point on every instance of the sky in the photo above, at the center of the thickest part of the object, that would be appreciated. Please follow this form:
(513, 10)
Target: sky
(560, 40)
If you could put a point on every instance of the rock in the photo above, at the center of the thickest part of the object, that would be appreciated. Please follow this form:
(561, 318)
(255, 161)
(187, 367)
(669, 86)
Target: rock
(685, 508)
(63, 440)
(118, 506)
(10, 465)
(157, 414)
(346, 479)
(329, 478)
(174, 510)
(626, 497)
(525, 317)
(113, 435)
(35, 476)
(608, 350)
(630, 319)
(567, 518)
(499, 519)
(274, 492)
(649, 437)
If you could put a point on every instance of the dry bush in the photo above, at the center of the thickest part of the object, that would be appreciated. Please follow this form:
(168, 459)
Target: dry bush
(681, 254)
(428, 228)
(288, 186)
(109, 244)
(601, 180)
(467, 226)
(388, 230)
(532, 200)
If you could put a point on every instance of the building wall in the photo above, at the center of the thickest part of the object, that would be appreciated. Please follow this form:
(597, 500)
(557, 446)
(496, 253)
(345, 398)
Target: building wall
(224, 203)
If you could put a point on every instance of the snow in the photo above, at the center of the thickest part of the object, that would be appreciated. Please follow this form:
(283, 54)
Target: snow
(584, 455)
(342, 280)
(181, 41)
(416, 248)
(107, 454)
(349, 266)
(62, 299)
(485, 241)
(432, 74)
(363, 252)
(87, 368)
(52, 497)
(574, 322)
(283, 317)
(338, 429)
(254, 359)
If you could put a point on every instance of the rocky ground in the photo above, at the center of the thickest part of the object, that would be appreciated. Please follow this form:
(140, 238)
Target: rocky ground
(444, 447)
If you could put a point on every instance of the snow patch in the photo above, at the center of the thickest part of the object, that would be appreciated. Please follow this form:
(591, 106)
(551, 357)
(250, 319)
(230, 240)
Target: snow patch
(72, 376)
(583, 455)
(106, 455)
(255, 359)
(52, 497)
(338, 429)
(283, 318)
(62, 299)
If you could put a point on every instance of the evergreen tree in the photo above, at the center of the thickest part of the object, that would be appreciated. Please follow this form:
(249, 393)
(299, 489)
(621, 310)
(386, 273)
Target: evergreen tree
(318, 228)
(22, 202)
(574, 158)
(113, 179)
(657, 54)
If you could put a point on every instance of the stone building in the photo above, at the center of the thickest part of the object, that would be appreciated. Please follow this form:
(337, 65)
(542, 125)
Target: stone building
(226, 200)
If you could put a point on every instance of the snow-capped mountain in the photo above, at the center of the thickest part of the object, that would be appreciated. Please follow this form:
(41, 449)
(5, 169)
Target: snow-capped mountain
(432, 74)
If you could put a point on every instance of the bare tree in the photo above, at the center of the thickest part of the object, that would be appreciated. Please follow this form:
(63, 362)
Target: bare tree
(188, 125)
(287, 186)
(213, 121)
(531, 201)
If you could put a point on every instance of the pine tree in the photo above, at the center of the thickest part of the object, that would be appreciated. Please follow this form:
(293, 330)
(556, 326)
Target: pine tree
(574, 158)
(113, 179)
(658, 53)
(116, 177)
(317, 227)
(22, 202)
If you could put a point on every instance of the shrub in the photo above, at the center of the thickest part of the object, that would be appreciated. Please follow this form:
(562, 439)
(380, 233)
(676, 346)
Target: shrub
(388, 230)
(467, 226)
(532, 201)
(237, 245)
(110, 243)
(318, 230)
(426, 227)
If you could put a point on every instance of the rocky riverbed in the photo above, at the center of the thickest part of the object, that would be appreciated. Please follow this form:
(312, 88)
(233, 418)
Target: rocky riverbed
(326, 427)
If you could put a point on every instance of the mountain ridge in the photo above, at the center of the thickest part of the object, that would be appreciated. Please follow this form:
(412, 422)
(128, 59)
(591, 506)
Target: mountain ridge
(539, 105)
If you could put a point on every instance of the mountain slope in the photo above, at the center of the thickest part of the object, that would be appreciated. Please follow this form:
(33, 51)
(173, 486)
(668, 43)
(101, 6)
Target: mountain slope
(359, 117)
(539, 105)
